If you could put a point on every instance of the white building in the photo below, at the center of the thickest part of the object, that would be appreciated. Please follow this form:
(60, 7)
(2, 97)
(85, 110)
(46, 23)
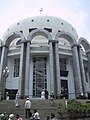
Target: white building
(44, 52)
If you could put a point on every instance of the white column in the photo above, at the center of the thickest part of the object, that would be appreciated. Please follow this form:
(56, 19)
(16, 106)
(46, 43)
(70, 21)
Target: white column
(88, 56)
(82, 70)
(51, 67)
(27, 74)
(57, 69)
(76, 70)
(21, 83)
(0, 52)
(4, 60)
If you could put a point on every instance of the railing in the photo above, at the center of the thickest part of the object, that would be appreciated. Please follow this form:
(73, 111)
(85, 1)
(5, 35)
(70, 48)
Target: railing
(60, 96)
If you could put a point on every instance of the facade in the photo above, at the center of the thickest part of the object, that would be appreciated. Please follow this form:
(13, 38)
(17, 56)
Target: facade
(44, 52)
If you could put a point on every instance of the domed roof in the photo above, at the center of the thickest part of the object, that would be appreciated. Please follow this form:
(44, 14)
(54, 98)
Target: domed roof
(50, 23)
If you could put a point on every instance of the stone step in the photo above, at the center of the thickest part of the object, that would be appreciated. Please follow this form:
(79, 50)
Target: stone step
(44, 107)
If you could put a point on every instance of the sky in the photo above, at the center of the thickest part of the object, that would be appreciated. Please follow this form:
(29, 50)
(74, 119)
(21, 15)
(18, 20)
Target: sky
(76, 12)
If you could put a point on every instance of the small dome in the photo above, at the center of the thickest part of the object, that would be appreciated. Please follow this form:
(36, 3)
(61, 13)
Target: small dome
(50, 23)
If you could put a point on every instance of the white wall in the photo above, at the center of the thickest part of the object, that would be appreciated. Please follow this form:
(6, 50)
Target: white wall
(12, 82)
(71, 85)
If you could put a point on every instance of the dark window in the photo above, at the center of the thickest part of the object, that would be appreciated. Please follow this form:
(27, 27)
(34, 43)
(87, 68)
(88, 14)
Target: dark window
(48, 29)
(61, 23)
(63, 67)
(21, 31)
(64, 73)
(18, 23)
(16, 67)
(32, 20)
(86, 73)
(47, 20)
(64, 89)
(63, 63)
(32, 29)
(58, 30)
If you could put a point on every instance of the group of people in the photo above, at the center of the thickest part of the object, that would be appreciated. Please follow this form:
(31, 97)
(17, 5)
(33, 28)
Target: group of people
(16, 97)
(5, 116)
(28, 114)
(32, 116)
(35, 115)
(44, 95)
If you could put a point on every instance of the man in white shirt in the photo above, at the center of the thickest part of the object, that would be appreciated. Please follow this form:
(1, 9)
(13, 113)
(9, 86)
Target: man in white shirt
(43, 94)
(16, 99)
(36, 115)
(27, 107)
(11, 117)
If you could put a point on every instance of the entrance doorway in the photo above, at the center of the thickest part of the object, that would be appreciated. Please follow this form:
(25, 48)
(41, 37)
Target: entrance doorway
(64, 89)
(11, 92)
(39, 75)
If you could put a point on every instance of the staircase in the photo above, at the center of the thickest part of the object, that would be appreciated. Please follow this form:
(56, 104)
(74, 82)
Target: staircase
(44, 107)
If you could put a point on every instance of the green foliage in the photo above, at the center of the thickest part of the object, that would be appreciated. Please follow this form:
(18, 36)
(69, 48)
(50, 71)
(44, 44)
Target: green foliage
(74, 109)
(61, 110)
(74, 105)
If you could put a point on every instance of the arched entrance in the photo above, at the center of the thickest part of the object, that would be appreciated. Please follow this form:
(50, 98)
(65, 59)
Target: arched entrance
(38, 69)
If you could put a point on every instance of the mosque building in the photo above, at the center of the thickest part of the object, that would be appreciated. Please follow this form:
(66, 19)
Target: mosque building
(45, 52)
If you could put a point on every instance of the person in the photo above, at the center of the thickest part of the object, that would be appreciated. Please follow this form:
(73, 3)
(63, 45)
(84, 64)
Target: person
(52, 96)
(46, 94)
(18, 117)
(27, 107)
(48, 118)
(16, 99)
(36, 115)
(7, 96)
(53, 116)
(1, 116)
(11, 117)
(30, 116)
(5, 116)
(43, 94)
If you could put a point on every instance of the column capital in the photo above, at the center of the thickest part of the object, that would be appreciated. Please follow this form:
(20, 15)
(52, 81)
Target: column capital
(23, 41)
(5, 45)
(53, 41)
(28, 41)
(75, 44)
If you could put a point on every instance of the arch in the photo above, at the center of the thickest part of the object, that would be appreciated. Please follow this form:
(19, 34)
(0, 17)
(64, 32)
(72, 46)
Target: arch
(38, 32)
(19, 42)
(12, 36)
(67, 36)
(84, 43)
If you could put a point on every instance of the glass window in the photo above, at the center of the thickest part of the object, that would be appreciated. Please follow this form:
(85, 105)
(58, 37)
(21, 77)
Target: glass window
(48, 29)
(86, 73)
(32, 29)
(63, 62)
(63, 67)
(16, 67)
(39, 75)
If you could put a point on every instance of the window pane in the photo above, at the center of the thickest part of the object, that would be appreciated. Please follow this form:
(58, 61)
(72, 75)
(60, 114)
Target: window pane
(39, 75)
(63, 62)
(16, 67)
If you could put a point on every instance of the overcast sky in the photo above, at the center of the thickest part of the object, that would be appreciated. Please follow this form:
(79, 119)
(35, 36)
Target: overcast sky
(76, 12)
